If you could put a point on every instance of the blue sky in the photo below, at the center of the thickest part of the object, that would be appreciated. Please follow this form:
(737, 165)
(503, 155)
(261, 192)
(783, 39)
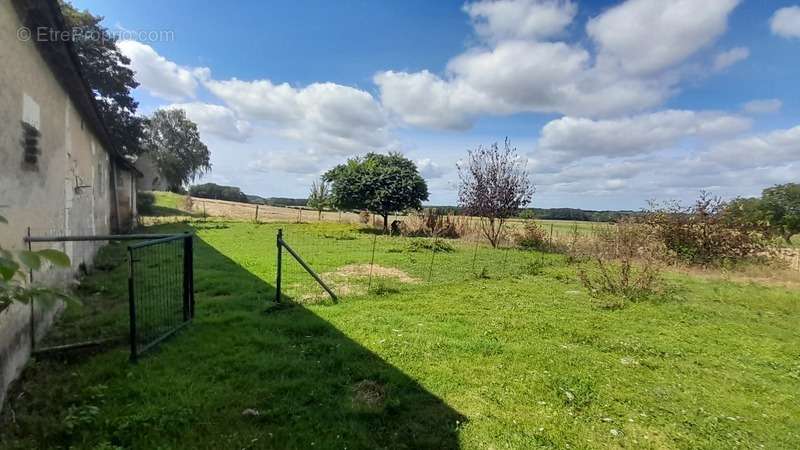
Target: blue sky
(611, 102)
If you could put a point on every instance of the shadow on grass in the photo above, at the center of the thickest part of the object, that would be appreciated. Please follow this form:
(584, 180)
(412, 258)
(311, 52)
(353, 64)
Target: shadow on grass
(238, 377)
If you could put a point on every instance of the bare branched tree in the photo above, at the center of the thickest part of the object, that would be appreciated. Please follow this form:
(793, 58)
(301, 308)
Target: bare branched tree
(494, 184)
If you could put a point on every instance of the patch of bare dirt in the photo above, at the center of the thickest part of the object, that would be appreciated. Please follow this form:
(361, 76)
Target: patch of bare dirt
(363, 270)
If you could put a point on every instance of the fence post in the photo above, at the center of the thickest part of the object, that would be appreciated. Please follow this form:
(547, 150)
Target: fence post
(32, 321)
(188, 294)
(505, 255)
(475, 255)
(551, 237)
(131, 307)
(256, 212)
(433, 255)
(372, 261)
(279, 242)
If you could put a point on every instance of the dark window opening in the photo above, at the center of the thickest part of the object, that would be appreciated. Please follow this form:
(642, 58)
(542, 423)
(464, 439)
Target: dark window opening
(30, 146)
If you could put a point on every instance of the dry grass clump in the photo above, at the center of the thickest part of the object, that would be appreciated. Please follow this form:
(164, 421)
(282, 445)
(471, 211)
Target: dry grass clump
(433, 222)
(369, 395)
(625, 262)
(531, 237)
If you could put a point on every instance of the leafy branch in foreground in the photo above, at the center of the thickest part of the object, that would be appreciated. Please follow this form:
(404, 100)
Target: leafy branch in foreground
(13, 268)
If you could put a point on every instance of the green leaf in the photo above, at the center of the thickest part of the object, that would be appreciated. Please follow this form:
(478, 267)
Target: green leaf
(8, 267)
(3, 220)
(30, 259)
(56, 257)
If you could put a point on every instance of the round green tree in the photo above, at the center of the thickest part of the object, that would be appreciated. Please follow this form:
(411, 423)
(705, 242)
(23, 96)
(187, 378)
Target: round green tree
(381, 184)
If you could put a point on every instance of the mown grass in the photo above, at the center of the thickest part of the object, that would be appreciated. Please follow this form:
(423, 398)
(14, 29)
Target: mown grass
(509, 355)
(169, 204)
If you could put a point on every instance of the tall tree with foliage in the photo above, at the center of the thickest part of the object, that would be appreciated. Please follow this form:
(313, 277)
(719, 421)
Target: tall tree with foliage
(781, 205)
(174, 143)
(494, 184)
(320, 196)
(381, 184)
(108, 74)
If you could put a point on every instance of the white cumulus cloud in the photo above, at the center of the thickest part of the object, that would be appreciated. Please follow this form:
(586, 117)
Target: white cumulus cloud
(525, 19)
(328, 117)
(775, 148)
(640, 44)
(648, 36)
(730, 57)
(786, 22)
(216, 119)
(159, 76)
(581, 138)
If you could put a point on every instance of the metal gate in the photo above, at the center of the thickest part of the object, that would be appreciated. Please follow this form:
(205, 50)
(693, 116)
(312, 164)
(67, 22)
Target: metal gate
(160, 290)
(160, 297)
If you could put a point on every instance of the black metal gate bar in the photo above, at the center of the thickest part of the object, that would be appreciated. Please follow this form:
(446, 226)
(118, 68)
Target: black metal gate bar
(283, 244)
(102, 237)
(160, 296)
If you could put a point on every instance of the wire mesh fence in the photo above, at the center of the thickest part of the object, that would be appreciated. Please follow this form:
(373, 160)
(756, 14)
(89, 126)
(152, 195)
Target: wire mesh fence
(94, 315)
(355, 261)
(159, 289)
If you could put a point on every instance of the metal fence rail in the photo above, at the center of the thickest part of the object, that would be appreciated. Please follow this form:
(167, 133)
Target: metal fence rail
(281, 244)
(160, 290)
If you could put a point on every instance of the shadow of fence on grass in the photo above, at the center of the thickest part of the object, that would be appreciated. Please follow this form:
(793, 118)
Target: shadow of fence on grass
(239, 377)
(310, 384)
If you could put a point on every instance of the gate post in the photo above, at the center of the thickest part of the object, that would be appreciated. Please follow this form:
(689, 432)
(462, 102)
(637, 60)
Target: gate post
(32, 319)
(279, 242)
(131, 306)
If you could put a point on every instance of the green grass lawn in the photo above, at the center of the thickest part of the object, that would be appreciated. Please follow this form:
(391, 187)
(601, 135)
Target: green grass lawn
(499, 350)
(169, 204)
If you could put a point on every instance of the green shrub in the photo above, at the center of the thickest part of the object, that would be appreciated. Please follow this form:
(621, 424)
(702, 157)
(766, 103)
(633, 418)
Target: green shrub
(531, 237)
(436, 245)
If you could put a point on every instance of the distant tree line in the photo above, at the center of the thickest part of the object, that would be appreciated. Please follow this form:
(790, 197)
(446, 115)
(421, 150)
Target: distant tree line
(277, 201)
(575, 214)
(218, 192)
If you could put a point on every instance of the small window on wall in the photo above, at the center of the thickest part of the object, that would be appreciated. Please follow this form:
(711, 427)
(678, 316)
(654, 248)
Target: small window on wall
(31, 134)
(30, 146)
